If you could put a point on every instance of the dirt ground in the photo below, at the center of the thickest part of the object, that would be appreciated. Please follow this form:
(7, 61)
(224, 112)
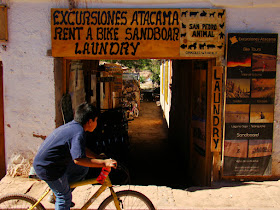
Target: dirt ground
(153, 174)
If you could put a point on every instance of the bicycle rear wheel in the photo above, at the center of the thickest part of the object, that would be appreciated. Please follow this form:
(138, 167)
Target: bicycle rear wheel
(129, 199)
(18, 201)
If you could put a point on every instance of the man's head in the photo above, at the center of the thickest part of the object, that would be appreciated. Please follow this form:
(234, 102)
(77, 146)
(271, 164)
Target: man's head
(86, 114)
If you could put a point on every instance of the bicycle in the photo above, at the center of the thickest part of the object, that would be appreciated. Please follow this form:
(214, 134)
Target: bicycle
(125, 199)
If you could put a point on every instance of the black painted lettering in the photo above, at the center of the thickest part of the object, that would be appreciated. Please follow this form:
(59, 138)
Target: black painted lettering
(216, 109)
(217, 98)
(175, 18)
(215, 132)
(72, 32)
(57, 33)
(217, 86)
(86, 18)
(151, 18)
(79, 32)
(216, 141)
(146, 19)
(124, 47)
(99, 33)
(134, 18)
(134, 47)
(89, 34)
(176, 32)
(215, 75)
(216, 120)
(77, 51)
(63, 15)
(156, 33)
(128, 32)
(114, 50)
(123, 17)
(158, 19)
(93, 18)
(94, 48)
(103, 18)
(78, 18)
(69, 18)
(163, 33)
(55, 16)
(103, 48)
(86, 48)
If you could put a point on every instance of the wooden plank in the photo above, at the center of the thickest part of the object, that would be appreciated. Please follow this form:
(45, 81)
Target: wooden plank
(3, 23)
(109, 33)
(208, 154)
(2, 136)
(216, 109)
(59, 79)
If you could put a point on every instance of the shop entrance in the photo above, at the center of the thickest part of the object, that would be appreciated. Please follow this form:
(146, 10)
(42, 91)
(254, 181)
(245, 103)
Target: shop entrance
(175, 156)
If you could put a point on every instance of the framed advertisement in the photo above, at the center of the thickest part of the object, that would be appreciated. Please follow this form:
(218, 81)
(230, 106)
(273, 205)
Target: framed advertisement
(249, 109)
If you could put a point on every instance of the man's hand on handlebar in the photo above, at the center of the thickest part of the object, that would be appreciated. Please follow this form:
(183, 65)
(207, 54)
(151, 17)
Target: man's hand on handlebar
(111, 163)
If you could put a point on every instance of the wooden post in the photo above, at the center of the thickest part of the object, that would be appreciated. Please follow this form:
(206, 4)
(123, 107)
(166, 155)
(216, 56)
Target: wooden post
(2, 136)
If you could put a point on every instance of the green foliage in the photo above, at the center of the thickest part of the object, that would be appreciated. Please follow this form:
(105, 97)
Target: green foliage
(142, 65)
(142, 79)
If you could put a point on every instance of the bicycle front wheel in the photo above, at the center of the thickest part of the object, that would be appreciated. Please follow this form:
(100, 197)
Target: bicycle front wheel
(128, 199)
(18, 201)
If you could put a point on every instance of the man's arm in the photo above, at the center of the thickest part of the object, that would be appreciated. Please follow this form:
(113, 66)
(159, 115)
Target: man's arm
(90, 154)
(95, 163)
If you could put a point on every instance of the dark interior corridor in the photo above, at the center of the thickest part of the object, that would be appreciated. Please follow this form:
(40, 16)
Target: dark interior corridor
(151, 159)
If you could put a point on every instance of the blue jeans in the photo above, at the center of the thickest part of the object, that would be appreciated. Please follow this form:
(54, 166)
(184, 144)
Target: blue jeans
(61, 189)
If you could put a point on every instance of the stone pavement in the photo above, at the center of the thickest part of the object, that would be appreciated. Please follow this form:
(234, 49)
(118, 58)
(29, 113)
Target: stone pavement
(223, 195)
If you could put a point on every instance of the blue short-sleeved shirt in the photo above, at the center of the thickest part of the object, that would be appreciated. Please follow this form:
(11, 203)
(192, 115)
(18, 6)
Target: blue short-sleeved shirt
(63, 145)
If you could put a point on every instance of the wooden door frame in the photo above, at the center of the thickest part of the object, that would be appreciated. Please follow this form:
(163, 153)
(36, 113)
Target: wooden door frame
(2, 131)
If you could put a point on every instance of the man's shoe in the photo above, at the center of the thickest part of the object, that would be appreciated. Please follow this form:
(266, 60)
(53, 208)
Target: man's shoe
(51, 199)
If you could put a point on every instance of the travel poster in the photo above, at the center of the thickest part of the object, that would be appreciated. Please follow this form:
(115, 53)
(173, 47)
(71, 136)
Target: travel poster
(249, 109)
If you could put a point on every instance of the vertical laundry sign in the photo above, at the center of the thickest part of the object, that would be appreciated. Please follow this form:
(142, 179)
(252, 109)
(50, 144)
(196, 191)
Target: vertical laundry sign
(137, 33)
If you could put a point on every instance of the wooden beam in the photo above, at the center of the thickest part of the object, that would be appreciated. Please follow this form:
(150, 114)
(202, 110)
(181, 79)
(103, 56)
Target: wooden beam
(2, 134)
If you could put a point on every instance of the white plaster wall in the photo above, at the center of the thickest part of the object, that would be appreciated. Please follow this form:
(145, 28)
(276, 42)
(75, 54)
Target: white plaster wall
(28, 81)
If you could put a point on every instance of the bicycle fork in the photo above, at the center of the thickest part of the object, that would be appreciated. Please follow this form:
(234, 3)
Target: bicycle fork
(38, 201)
(116, 199)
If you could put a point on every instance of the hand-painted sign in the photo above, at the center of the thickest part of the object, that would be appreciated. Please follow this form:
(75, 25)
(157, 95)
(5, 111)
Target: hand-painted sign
(202, 32)
(216, 109)
(135, 33)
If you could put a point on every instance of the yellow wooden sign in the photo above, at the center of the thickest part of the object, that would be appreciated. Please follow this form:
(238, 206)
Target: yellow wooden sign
(137, 33)
(216, 109)
(109, 33)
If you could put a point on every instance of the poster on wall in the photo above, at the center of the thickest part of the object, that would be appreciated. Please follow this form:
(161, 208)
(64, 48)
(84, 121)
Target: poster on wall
(249, 110)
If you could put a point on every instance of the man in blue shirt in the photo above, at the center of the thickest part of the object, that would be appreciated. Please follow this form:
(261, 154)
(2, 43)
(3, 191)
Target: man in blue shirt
(63, 157)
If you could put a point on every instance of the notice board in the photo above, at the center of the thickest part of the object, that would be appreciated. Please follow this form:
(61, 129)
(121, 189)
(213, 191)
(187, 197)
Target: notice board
(249, 112)
(137, 33)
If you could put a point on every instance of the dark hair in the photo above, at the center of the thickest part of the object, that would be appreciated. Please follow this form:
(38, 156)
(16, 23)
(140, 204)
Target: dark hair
(84, 112)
